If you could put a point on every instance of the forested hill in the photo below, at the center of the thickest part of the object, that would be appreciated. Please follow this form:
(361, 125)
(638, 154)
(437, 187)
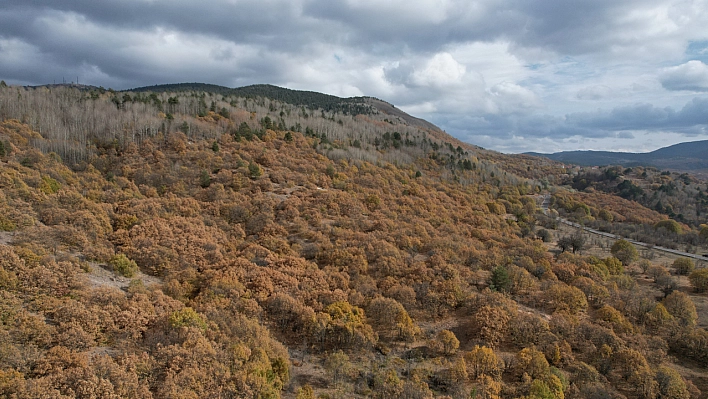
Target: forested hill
(192, 244)
(691, 156)
(182, 87)
(312, 101)
(309, 99)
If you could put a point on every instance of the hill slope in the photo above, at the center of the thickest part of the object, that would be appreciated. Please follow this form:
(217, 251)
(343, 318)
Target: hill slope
(291, 251)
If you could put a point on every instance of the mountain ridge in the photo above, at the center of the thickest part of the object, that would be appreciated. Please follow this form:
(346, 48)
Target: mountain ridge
(687, 156)
(311, 99)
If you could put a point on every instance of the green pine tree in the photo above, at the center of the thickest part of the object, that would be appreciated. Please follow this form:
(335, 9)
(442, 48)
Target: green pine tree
(500, 279)
(204, 179)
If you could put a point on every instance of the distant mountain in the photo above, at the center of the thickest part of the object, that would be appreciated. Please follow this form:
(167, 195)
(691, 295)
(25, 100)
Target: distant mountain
(691, 156)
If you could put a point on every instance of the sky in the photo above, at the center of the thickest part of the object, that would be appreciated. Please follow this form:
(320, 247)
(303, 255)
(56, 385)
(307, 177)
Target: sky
(508, 75)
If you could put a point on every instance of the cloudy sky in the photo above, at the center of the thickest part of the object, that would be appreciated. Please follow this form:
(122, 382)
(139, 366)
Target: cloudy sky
(510, 75)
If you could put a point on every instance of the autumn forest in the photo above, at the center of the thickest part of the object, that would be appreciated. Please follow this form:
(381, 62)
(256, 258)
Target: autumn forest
(188, 242)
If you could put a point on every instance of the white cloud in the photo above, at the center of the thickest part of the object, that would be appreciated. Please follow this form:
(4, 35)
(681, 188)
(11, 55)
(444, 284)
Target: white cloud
(418, 109)
(440, 71)
(492, 60)
(692, 76)
(512, 98)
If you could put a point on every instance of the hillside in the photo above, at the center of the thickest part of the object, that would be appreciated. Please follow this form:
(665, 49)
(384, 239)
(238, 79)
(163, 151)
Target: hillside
(162, 244)
(366, 107)
(680, 196)
(691, 156)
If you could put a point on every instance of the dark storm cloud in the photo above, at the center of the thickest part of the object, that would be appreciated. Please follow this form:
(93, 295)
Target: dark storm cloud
(561, 26)
(105, 37)
(573, 27)
(107, 33)
(239, 21)
(389, 28)
(429, 26)
(507, 128)
(645, 117)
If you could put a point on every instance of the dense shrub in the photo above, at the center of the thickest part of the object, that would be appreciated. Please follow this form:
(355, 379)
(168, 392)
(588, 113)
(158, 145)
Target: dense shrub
(123, 266)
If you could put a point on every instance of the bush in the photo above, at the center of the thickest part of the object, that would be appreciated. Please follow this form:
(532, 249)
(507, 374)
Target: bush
(564, 297)
(681, 307)
(605, 215)
(699, 280)
(624, 251)
(544, 235)
(670, 225)
(683, 266)
(671, 384)
(49, 185)
(7, 224)
(446, 342)
(614, 265)
(656, 271)
(305, 391)
(254, 170)
(187, 317)
(123, 266)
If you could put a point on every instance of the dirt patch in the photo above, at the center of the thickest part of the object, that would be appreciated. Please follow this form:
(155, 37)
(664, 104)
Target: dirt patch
(291, 190)
(102, 276)
(537, 312)
(306, 370)
(420, 258)
(278, 197)
(6, 237)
